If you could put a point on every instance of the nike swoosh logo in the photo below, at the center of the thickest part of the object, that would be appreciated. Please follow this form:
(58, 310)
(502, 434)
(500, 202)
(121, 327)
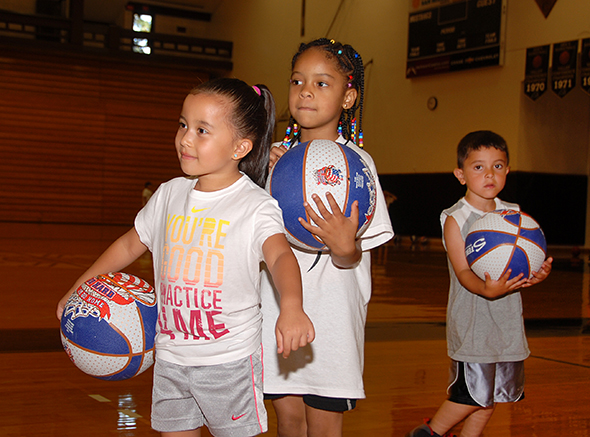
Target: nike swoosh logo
(237, 417)
(198, 210)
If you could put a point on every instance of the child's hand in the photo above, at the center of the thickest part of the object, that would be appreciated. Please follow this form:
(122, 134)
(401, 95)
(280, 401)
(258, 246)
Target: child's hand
(60, 308)
(337, 231)
(541, 275)
(275, 153)
(494, 289)
(293, 330)
(62, 303)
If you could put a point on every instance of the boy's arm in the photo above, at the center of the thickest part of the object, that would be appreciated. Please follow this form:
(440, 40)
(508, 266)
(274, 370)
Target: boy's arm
(126, 249)
(456, 251)
(337, 231)
(293, 328)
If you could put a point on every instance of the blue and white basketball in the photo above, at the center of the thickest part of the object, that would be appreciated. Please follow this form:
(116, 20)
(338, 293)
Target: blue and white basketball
(108, 327)
(502, 240)
(321, 166)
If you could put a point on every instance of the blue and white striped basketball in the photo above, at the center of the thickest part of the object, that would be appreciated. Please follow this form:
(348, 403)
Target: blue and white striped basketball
(502, 240)
(321, 166)
(108, 326)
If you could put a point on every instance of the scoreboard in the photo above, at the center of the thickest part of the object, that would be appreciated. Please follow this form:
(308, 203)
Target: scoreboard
(453, 35)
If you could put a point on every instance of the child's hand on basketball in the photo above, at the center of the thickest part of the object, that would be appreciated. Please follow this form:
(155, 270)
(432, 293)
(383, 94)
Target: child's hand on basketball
(60, 309)
(293, 330)
(62, 303)
(541, 275)
(275, 153)
(337, 231)
(503, 285)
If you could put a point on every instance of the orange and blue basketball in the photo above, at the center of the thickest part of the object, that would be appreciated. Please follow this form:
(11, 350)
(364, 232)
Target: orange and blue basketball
(321, 166)
(108, 326)
(502, 240)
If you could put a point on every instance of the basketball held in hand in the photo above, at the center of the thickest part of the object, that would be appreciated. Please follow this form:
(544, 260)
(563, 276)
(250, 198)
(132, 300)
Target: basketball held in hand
(319, 167)
(108, 327)
(502, 240)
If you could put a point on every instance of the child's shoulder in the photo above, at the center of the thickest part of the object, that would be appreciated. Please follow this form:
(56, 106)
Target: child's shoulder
(461, 204)
(500, 204)
(462, 212)
(366, 156)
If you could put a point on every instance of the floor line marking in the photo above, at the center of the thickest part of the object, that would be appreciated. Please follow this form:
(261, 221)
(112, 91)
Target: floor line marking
(99, 398)
(560, 361)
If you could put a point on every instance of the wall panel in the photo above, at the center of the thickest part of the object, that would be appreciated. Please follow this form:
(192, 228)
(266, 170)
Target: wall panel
(80, 134)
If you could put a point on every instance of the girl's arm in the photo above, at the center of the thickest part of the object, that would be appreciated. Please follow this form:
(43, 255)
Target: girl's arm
(456, 251)
(337, 231)
(116, 257)
(293, 328)
(275, 154)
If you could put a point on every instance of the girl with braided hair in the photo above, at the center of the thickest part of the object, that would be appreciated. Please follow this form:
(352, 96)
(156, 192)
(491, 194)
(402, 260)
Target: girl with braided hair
(313, 387)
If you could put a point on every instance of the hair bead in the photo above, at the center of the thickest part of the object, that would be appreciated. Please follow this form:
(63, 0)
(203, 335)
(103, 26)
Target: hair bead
(287, 140)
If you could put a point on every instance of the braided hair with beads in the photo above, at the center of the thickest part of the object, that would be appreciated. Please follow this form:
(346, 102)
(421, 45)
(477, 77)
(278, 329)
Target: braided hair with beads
(350, 63)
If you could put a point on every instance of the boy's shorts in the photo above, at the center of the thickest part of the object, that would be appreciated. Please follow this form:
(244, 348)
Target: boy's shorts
(484, 384)
(338, 405)
(227, 398)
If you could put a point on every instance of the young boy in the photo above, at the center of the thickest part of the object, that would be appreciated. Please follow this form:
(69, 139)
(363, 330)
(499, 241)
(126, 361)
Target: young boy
(485, 331)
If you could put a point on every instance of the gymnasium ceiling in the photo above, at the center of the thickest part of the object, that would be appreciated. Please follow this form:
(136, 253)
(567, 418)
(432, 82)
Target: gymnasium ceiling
(109, 11)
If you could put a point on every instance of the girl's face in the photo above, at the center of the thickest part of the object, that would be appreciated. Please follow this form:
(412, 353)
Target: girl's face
(205, 142)
(318, 93)
(484, 172)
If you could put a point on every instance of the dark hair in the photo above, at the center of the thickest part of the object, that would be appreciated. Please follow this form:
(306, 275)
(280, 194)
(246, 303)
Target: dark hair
(350, 63)
(252, 116)
(478, 139)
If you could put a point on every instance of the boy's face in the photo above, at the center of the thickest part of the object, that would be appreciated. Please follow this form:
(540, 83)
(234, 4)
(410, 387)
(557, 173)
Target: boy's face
(484, 172)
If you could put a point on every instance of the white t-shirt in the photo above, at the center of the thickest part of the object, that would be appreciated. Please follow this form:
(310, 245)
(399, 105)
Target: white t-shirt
(336, 301)
(207, 250)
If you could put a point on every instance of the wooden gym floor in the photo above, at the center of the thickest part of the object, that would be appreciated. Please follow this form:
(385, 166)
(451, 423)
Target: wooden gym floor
(43, 394)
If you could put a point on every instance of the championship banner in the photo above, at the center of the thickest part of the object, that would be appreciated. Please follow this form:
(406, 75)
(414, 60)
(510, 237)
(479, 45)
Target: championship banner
(585, 65)
(563, 68)
(536, 71)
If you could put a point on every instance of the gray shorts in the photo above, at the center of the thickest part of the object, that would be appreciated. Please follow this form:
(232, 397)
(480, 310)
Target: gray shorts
(484, 384)
(227, 398)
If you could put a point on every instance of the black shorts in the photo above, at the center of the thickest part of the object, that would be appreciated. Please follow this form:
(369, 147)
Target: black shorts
(320, 402)
(485, 384)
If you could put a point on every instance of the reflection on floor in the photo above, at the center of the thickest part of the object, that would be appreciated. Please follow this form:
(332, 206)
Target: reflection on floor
(43, 394)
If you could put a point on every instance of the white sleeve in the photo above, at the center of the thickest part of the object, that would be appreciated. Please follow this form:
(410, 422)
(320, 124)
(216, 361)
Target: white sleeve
(380, 230)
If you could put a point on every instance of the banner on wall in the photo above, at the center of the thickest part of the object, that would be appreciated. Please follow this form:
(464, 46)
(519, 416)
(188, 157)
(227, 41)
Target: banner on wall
(546, 6)
(585, 65)
(536, 71)
(563, 68)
